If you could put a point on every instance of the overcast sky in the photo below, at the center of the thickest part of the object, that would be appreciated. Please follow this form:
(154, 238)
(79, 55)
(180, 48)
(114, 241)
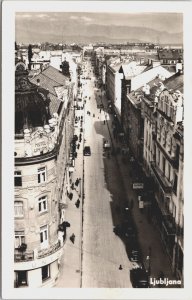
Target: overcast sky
(32, 24)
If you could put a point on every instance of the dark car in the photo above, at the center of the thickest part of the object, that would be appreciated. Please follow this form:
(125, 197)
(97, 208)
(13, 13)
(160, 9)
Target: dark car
(139, 278)
(126, 212)
(133, 250)
(126, 230)
(87, 151)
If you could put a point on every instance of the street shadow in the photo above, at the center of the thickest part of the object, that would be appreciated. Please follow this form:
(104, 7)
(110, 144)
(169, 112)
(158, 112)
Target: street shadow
(112, 176)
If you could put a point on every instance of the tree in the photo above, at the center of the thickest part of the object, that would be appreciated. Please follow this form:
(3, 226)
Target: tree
(30, 55)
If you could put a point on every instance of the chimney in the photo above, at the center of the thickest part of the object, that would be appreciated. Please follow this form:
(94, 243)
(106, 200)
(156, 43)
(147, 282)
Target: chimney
(155, 63)
(146, 89)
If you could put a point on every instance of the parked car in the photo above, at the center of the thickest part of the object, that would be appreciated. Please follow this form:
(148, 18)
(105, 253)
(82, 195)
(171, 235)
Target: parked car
(126, 212)
(133, 250)
(126, 229)
(100, 105)
(87, 151)
(139, 278)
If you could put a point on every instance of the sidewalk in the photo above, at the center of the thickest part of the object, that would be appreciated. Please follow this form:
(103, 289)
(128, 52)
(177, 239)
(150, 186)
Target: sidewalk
(70, 262)
(148, 235)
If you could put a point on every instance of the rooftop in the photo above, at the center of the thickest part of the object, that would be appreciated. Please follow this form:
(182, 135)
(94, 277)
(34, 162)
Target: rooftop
(132, 69)
(170, 54)
(175, 82)
(50, 79)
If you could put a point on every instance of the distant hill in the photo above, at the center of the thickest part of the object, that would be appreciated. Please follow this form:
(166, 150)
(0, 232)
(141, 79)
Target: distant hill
(99, 33)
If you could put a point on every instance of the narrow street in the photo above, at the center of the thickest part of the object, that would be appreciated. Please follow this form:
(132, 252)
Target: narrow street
(103, 251)
(94, 258)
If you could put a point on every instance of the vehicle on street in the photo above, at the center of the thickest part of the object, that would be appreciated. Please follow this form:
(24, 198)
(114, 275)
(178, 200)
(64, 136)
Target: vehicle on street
(139, 278)
(100, 105)
(126, 212)
(133, 250)
(125, 230)
(87, 151)
(106, 145)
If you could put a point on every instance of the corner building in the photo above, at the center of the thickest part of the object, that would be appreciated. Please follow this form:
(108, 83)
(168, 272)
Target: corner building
(38, 203)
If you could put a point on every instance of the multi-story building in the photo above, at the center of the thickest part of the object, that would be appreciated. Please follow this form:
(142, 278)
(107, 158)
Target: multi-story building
(133, 85)
(43, 134)
(163, 160)
(113, 85)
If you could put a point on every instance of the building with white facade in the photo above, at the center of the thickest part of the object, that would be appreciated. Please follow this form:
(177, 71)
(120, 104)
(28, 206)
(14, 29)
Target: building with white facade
(43, 133)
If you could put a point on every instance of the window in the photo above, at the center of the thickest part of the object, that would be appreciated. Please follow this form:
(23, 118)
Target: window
(44, 236)
(18, 207)
(169, 172)
(42, 204)
(174, 211)
(166, 108)
(171, 111)
(21, 278)
(41, 175)
(19, 238)
(18, 178)
(163, 164)
(175, 185)
(158, 157)
(45, 272)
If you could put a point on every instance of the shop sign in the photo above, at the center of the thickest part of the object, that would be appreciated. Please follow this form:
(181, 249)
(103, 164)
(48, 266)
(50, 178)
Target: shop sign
(141, 204)
(39, 145)
(138, 186)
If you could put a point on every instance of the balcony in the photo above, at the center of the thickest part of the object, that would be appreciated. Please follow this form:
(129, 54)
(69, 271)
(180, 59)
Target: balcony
(37, 259)
(26, 256)
(48, 251)
(164, 183)
(29, 256)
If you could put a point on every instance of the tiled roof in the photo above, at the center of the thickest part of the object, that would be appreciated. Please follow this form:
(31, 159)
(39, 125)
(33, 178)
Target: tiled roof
(53, 73)
(175, 82)
(49, 79)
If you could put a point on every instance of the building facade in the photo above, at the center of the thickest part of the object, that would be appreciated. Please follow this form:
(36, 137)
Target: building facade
(163, 161)
(42, 150)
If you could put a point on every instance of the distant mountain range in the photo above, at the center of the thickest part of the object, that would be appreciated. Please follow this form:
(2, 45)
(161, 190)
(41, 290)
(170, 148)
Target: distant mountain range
(99, 33)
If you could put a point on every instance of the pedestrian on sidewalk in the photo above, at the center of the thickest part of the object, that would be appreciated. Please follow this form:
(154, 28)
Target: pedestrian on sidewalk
(72, 238)
(71, 196)
(77, 203)
(120, 267)
(77, 182)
